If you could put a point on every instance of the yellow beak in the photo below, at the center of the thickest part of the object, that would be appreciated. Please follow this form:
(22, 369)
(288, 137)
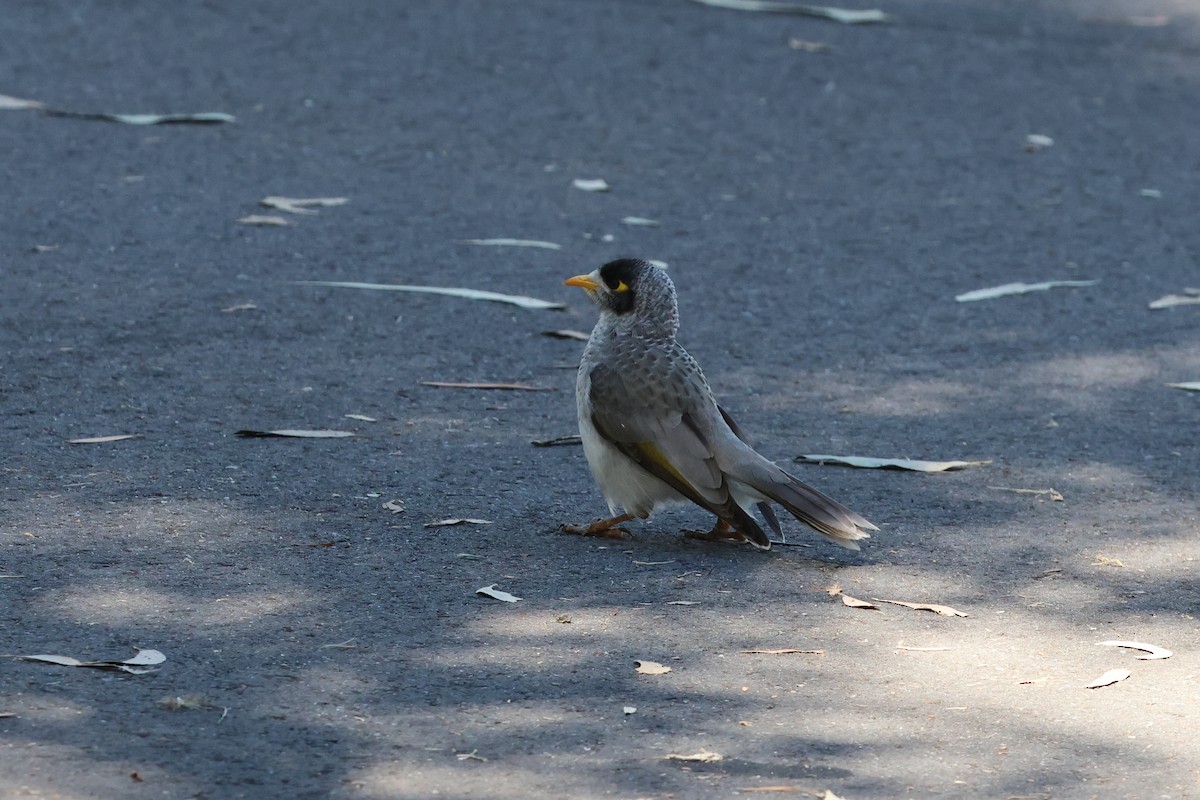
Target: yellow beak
(583, 282)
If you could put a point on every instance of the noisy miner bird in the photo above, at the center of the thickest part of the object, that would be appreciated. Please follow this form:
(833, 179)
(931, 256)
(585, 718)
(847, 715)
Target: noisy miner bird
(653, 433)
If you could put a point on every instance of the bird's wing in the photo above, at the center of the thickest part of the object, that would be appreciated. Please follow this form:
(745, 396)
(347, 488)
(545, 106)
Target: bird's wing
(764, 507)
(653, 410)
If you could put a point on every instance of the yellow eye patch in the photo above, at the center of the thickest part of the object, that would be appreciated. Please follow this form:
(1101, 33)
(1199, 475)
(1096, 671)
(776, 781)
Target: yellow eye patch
(622, 286)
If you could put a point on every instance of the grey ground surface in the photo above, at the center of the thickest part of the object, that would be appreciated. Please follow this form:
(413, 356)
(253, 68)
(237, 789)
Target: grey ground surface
(819, 210)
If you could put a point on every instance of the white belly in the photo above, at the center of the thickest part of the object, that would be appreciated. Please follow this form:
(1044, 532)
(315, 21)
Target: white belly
(625, 485)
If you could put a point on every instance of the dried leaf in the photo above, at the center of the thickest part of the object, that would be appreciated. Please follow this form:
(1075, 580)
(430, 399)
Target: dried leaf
(1153, 652)
(143, 658)
(294, 434)
(1109, 678)
(629, 710)
(942, 611)
(567, 334)
(239, 307)
(642, 222)
(102, 439)
(1153, 194)
(45, 248)
(1189, 386)
(651, 668)
(471, 756)
(302, 205)
(451, 521)
(187, 702)
(829, 795)
(394, 506)
(7, 714)
(1053, 494)
(655, 564)
(467, 294)
(590, 184)
(512, 387)
(1107, 561)
(1017, 288)
(360, 417)
(866, 462)
(494, 593)
(703, 756)
(921, 649)
(16, 104)
(784, 652)
(512, 243)
(808, 47)
(1037, 141)
(265, 220)
(680, 602)
(854, 602)
(845, 16)
(1171, 300)
(560, 441)
(202, 118)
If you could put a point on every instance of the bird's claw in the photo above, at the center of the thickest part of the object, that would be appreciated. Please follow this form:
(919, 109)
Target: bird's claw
(597, 528)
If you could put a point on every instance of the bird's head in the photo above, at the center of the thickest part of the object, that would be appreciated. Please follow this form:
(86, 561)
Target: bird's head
(633, 292)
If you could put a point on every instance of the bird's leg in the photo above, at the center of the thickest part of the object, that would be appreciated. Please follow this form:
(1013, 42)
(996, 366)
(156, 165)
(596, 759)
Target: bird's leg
(601, 527)
(721, 532)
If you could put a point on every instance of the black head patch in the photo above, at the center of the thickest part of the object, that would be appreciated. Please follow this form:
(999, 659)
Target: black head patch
(621, 279)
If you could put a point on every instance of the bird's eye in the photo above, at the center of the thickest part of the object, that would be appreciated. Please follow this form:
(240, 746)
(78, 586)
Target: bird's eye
(621, 286)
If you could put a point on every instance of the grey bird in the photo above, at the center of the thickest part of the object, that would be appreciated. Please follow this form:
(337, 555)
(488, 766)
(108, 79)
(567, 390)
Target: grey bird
(653, 433)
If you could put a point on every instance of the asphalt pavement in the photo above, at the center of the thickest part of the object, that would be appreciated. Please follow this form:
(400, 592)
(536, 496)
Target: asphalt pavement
(821, 194)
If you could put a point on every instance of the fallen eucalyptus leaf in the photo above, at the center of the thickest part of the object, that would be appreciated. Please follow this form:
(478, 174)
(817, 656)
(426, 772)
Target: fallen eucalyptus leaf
(680, 602)
(512, 243)
(1153, 652)
(866, 462)
(1188, 386)
(629, 710)
(655, 564)
(921, 649)
(1171, 300)
(394, 506)
(294, 434)
(467, 294)
(471, 756)
(1053, 494)
(1037, 141)
(567, 334)
(45, 248)
(1109, 678)
(640, 222)
(808, 47)
(302, 205)
(120, 437)
(854, 602)
(143, 658)
(651, 668)
(239, 307)
(451, 521)
(17, 104)
(590, 184)
(360, 417)
(845, 16)
(511, 387)
(1107, 561)
(494, 593)
(703, 756)
(202, 118)
(942, 611)
(784, 652)
(1016, 288)
(265, 220)
(560, 441)
(187, 702)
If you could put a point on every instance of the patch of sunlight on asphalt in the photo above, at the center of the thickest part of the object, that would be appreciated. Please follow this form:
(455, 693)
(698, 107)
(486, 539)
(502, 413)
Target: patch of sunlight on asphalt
(138, 605)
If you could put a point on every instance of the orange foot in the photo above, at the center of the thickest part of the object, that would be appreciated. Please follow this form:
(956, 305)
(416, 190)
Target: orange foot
(606, 528)
(721, 532)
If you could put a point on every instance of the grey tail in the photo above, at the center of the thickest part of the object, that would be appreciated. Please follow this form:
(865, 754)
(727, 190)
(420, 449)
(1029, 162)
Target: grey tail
(820, 512)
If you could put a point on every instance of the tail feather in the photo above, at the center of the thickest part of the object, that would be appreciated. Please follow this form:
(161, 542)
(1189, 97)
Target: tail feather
(820, 512)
